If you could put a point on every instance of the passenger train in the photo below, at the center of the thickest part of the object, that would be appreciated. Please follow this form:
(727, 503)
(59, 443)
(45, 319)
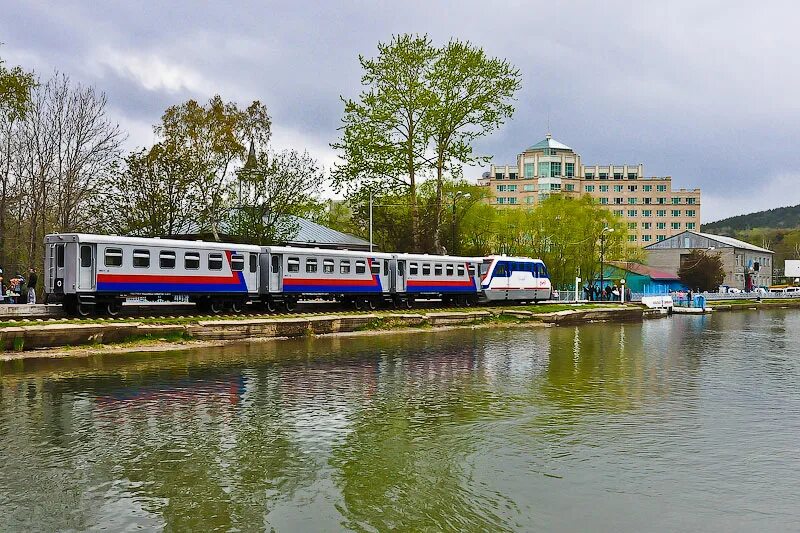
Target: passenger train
(96, 273)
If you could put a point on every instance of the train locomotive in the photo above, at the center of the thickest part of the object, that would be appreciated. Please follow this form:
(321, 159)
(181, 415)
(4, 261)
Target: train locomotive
(96, 273)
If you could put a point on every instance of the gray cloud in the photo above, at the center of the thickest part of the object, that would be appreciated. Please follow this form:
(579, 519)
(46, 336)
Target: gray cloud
(701, 91)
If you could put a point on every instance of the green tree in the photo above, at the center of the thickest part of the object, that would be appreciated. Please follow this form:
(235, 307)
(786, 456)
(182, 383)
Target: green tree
(214, 140)
(275, 187)
(472, 96)
(384, 133)
(702, 271)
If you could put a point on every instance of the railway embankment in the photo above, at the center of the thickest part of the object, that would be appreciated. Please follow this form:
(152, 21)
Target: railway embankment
(37, 338)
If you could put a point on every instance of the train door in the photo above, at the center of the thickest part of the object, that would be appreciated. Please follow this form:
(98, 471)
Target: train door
(275, 272)
(500, 277)
(86, 263)
(251, 272)
(55, 268)
(399, 276)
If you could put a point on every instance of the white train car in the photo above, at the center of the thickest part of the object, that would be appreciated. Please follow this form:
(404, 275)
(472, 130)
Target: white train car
(518, 279)
(365, 279)
(450, 278)
(97, 272)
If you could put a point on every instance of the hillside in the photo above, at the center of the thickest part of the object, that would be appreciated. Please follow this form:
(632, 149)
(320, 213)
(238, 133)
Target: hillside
(780, 218)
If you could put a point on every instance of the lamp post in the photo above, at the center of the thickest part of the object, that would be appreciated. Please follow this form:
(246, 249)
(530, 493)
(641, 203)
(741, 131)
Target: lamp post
(370, 220)
(456, 196)
(602, 256)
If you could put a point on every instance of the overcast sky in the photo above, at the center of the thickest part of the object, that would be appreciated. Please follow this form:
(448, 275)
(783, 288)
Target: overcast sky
(706, 92)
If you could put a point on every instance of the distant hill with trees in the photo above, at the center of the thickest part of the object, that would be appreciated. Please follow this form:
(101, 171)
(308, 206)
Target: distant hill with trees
(779, 218)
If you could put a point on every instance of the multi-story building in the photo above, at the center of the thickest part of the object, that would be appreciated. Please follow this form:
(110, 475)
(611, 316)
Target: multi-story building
(652, 209)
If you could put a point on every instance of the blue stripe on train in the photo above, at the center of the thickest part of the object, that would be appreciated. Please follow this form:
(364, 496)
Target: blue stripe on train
(330, 288)
(440, 288)
(170, 287)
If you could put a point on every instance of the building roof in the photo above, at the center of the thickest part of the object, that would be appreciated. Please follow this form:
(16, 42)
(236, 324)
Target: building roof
(644, 270)
(310, 233)
(726, 242)
(548, 142)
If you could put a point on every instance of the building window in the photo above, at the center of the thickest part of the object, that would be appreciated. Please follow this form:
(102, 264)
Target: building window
(191, 260)
(662, 201)
(647, 225)
(512, 200)
(618, 201)
(604, 201)
(498, 175)
(500, 188)
(676, 212)
(528, 167)
(617, 175)
(690, 212)
(141, 258)
(676, 200)
(617, 188)
(632, 188)
(661, 212)
(632, 201)
(512, 188)
(529, 188)
(661, 225)
(603, 175)
(589, 175)
(569, 187)
(631, 225)
(589, 188)
(618, 212)
(648, 201)
(631, 238)
(646, 238)
(661, 188)
(647, 213)
(691, 201)
(569, 169)
(512, 175)
(215, 261)
(675, 225)
(660, 238)
(690, 225)
(544, 169)
(113, 257)
(632, 175)
(501, 200)
(647, 188)
(632, 212)
(604, 188)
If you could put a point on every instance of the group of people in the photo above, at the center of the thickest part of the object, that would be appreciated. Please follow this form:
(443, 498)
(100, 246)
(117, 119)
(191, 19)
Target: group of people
(16, 290)
(610, 293)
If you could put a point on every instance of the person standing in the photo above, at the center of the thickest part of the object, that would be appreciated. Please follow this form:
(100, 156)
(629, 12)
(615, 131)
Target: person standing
(32, 279)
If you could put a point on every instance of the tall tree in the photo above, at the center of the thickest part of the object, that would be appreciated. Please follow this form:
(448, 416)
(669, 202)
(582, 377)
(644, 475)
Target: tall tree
(702, 271)
(384, 132)
(472, 96)
(214, 138)
(275, 187)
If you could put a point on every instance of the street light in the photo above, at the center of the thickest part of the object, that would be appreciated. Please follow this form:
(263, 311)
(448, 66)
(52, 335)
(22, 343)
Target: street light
(602, 255)
(456, 196)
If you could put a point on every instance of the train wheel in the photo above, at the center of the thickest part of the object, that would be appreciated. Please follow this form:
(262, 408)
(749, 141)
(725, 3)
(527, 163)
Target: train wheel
(469, 301)
(237, 307)
(113, 308)
(358, 303)
(270, 306)
(83, 310)
(215, 307)
(290, 306)
(371, 305)
(408, 303)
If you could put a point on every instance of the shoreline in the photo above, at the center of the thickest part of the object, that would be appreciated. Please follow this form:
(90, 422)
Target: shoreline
(66, 340)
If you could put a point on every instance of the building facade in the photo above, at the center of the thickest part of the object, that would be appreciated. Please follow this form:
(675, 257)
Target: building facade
(746, 265)
(652, 209)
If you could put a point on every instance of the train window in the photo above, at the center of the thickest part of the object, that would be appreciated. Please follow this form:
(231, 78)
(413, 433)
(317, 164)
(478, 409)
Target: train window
(276, 264)
(543, 270)
(253, 262)
(191, 260)
(500, 270)
(215, 261)
(166, 260)
(60, 256)
(449, 270)
(437, 270)
(141, 258)
(461, 270)
(413, 269)
(86, 255)
(327, 266)
(344, 267)
(386, 267)
(375, 267)
(361, 267)
(426, 269)
(237, 262)
(471, 269)
(485, 268)
(293, 264)
(113, 257)
(311, 265)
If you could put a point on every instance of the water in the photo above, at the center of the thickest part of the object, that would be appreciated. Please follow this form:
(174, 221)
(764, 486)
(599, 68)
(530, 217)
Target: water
(689, 423)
